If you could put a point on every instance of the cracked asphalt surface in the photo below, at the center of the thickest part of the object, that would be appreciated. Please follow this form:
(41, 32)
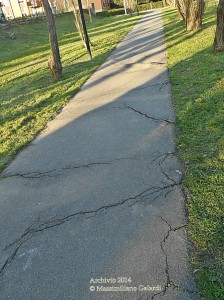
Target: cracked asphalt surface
(95, 204)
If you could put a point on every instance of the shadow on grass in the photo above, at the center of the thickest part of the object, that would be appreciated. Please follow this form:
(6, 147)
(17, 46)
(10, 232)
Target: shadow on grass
(198, 89)
(176, 32)
(64, 24)
(27, 91)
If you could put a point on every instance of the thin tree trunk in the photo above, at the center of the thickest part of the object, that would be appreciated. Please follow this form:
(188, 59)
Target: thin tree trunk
(54, 62)
(219, 34)
(86, 37)
(78, 22)
(90, 12)
(81, 27)
(181, 9)
(170, 3)
(130, 6)
(125, 7)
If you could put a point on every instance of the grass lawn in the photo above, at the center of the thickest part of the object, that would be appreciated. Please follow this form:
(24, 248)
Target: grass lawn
(28, 97)
(197, 75)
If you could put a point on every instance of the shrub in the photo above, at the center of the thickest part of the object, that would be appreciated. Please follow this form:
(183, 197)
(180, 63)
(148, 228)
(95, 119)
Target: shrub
(150, 5)
(118, 2)
(110, 13)
(120, 11)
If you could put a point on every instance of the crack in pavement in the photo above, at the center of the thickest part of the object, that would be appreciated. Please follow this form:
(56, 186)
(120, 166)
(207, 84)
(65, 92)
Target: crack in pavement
(123, 70)
(119, 63)
(39, 227)
(165, 174)
(157, 63)
(169, 281)
(144, 196)
(149, 117)
(35, 227)
(129, 65)
(10, 258)
(39, 174)
(167, 154)
(164, 84)
(161, 85)
(56, 222)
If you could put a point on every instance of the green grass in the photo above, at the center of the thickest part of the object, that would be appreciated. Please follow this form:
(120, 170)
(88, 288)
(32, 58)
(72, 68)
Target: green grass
(28, 97)
(197, 75)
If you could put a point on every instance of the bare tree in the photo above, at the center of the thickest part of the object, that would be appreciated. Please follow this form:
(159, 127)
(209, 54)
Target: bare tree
(54, 62)
(219, 34)
(78, 22)
(81, 25)
(171, 3)
(191, 11)
(90, 12)
(130, 5)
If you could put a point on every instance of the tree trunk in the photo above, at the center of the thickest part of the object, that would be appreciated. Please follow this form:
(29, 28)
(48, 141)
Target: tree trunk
(130, 6)
(219, 34)
(81, 26)
(194, 14)
(181, 9)
(89, 11)
(170, 3)
(191, 11)
(125, 7)
(54, 62)
(78, 23)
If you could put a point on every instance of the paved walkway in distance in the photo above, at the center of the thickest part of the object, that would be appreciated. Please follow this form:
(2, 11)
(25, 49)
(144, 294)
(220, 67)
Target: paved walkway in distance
(93, 208)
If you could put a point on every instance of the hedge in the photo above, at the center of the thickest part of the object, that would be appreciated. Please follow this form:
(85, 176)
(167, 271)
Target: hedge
(110, 12)
(120, 11)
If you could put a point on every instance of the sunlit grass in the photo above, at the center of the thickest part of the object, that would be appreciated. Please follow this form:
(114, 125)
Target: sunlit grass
(28, 97)
(197, 75)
